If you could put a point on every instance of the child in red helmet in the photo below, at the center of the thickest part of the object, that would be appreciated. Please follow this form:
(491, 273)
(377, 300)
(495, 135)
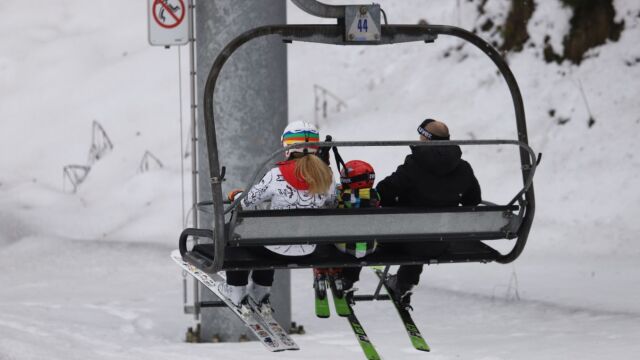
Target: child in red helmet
(355, 191)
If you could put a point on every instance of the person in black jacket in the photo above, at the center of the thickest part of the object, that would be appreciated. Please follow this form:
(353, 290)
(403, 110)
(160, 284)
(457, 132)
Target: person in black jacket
(431, 176)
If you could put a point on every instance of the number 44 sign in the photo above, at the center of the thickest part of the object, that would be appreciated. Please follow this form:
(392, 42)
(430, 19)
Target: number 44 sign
(363, 23)
(168, 22)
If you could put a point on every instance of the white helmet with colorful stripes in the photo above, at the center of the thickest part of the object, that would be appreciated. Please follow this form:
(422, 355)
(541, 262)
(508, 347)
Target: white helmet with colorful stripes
(300, 132)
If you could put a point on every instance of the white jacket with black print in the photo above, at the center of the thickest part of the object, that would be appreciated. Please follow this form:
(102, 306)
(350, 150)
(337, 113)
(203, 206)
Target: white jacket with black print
(284, 195)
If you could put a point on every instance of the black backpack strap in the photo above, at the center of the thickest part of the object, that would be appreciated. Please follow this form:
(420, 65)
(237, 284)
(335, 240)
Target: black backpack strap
(323, 152)
(339, 161)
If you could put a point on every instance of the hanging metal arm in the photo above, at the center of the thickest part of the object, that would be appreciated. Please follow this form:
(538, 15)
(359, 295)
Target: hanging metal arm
(316, 8)
(525, 159)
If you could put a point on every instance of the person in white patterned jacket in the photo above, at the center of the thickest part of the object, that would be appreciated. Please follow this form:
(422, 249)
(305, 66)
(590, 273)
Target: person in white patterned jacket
(303, 181)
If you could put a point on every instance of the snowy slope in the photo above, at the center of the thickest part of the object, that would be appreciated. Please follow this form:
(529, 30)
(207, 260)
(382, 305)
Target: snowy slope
(87, 275)
(60, 76)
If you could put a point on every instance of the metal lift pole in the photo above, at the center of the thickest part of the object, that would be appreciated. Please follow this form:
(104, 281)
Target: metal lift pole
(251, 102)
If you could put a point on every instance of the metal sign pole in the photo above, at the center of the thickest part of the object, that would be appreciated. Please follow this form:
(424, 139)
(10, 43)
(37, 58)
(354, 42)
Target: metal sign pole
(194, 143)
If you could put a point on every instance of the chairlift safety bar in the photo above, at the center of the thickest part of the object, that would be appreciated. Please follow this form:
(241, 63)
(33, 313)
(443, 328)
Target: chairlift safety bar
(278, 153)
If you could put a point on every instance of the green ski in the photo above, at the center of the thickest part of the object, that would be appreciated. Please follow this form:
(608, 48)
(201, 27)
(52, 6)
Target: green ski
(339, 300)
(416, 338)
(321, 299)
(366, 345)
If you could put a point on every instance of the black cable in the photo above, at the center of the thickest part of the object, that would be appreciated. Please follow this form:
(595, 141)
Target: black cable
(384, 14)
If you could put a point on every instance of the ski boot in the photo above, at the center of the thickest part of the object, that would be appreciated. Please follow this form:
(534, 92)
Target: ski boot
(320, 288)
(342, 290)
(348, 291)
(237, 295)
(400, 291)
(259, 298)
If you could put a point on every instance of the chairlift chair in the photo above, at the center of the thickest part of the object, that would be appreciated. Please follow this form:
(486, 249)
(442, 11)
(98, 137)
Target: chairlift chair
(459, 232)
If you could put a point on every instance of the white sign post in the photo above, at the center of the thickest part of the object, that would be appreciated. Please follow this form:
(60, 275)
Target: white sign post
(168, 22)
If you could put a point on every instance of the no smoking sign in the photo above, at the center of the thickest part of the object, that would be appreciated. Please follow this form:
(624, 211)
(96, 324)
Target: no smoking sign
(168, 22)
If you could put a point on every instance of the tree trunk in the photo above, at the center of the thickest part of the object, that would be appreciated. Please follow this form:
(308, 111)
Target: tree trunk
(515, 32)
(591, 25)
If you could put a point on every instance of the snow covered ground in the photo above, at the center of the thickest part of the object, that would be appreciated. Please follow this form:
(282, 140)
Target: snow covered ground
(87, 275)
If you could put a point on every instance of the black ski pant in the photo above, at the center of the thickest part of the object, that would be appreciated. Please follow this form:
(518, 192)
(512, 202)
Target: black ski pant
(409, 274)
(351, 274)
(259, 277)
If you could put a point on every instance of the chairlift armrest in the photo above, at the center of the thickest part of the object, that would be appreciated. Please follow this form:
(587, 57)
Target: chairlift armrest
(186, 233)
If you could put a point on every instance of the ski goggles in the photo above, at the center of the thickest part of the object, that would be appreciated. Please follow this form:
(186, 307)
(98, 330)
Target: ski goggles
(424, 132)
(297, 137)
(346, 180)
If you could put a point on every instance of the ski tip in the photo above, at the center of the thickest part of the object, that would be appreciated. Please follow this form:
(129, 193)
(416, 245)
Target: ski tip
(421, 345)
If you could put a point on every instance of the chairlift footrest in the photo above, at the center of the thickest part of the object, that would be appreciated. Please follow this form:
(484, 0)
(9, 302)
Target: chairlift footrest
(250, 258)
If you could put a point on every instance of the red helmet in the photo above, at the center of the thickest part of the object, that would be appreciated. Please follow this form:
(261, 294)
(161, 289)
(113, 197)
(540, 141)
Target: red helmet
(357, 174)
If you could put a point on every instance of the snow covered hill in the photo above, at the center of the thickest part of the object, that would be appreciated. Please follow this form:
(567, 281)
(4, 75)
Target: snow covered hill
(87, 275)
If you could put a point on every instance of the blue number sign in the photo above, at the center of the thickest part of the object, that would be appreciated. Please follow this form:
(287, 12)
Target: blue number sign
(363, 25)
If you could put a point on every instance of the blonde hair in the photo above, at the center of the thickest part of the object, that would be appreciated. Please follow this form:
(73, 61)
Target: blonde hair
(315, 172)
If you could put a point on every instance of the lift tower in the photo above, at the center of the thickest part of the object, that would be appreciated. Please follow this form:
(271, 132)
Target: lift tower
(252, 98)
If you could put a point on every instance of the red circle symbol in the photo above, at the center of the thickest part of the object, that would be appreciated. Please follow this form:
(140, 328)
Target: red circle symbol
(168, 13)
